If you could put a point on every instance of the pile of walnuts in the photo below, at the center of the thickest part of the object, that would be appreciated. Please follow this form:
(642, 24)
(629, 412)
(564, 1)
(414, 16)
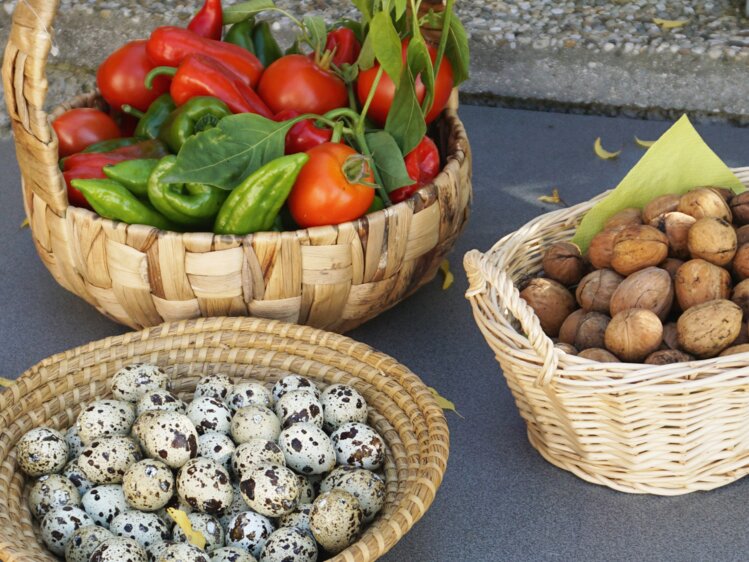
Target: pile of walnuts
(664, 284)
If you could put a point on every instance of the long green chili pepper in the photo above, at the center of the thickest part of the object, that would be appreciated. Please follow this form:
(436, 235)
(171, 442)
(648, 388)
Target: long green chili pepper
(198, 114)
(113, 201)
(241, 34)
(266, 47)
(151, 122)
(133, 174)
(111, 144)
(254, 204)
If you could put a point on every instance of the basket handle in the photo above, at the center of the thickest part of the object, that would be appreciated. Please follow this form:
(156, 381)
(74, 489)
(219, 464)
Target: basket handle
(483, 276)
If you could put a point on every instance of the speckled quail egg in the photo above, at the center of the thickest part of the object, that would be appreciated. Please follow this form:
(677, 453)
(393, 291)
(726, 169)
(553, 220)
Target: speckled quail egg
(238, 505)
(270, 489)
(254, 422)
(50, 492)
(153, 551)
(232, 554)
(148, 485)
(205, 485)
(248, 394)
(216, 386)
(60, 524)
(183, 552)
(130, 382)
(364, 485)
(105, 460)
(160, 400)
(253, 452)
(298, 518)
(84, 541)
(143, 527)
(335, 520)
(42, 450)
(104, 418)
(208, 526)
(104, 503)
(75, 445)
(216, 446)
(119, 549)
(208, 414)
(140, 424)
(299, 406)
(358, 445)
(288, 540)
(342, 404)
(306, 490)
(249, 530)
(307, 449)
(74, 473)
(172, 438)
(294, 382)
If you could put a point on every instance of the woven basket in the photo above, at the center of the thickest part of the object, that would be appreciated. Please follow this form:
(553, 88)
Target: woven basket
(665, 430)
(402, 409)
(334, 277)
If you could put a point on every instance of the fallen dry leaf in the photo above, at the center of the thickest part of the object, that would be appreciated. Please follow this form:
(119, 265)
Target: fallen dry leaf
(6, 382)
(24, 224)
(553, 198)
(443, 402)
(449, 277)
(602, 153)
(644, 143)
(181, 519)
(669, 24)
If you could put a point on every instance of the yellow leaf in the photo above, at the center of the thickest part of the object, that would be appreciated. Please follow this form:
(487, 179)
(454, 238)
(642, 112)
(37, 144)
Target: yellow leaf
(553, 198)
(444, 403)
(24, 224)
(181, 519)
(644, 144)
(604, 154)
(449, 277)
(669, 24)
(6, 382)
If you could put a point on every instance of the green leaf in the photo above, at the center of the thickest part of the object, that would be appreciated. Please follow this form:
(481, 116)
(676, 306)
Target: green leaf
(405, 120)
(245, 10)
(387, 45)
(231, 151)
(389, 161)
(400, 8)
(366, 58)
(366, 7)
(420, 63)
(457, 51)
(447, 17)
(317, 32)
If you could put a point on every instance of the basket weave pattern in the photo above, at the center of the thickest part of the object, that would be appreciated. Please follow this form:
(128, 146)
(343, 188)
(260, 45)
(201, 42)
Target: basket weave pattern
(666, 430)
(332, 277)
(402, 408)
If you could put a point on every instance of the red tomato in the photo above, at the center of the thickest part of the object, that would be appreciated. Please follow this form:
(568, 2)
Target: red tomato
(78, 128)
(296, 82)
(120, 77)
(329, 189)
(423, 165)
(383, 97)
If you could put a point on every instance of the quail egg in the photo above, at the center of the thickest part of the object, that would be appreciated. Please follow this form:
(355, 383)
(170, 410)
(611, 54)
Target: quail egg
(153, 551)
(172, 438)
(342, 404)
(254, 422)
(104, 418)
(216, 446)
(130, 382)
(299, 406)
(248, 394)
(232, 554)
(270, 489)
(216, 386)
(50, 492)
(59, 525)
(306, 490)
(249, 530)
(208, 526)
(253, 452)
(294, 382)
(148, 485)
(365, 486)
(286, 540)
(358, 445)
(143, 527)
(238, 505)
(205, 485)
(139, 425)
(84, 541)
(74, 473)
(104, 503)
(298, 518)
(307, 449)
(160, 400)
(183, 552)
(335, 520)
(208, 414)
(119, 549)
(105, 460)
(42, 451)
(75, 445)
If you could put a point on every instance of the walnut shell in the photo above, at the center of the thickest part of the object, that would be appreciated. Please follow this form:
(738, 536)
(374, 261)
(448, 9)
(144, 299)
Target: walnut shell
(667, 356)
(708, 328)
(712, 239)
(671, 265)
(569, 327)
(650, 288)
(590, 331)
(637, 247)
(699, 281)
(595, 290)
(551, 301)
(740, 208)
(659, 206)
(741, 262)
(743, 336)
(600, 355)
(563, 262)
(734, 349)
(704, 202)
(670, 337)
(742, 235)
(740, 296)
(676, 227)
(634, 334)
(567, 348)
(625, 217)
(725, 193)
(601, 248)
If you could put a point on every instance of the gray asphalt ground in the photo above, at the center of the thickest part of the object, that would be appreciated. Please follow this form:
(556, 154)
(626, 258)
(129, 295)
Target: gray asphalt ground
(500, 500)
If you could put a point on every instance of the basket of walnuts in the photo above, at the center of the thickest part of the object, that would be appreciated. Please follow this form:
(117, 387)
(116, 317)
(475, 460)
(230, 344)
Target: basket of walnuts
(628, 362)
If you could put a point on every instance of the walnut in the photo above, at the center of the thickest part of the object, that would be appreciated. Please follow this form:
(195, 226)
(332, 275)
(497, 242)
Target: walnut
(742, 235)
(699, 281)
(676, 227)
(708, 328)
(667, 356)
(704, 202)
(671, 265)
(740, 296)
(563, 262)
(740, 208)
(590, 331)
(551, 301)
(595, 290)
(600, 355)
(634, 334)
(670, 338)
(659, 206)
(741, 262)
(637, 247)
(650, 288)
(602, 247)
(567, 348)
(625, 217)
(734, 349)
(568, 330)
(713, 240)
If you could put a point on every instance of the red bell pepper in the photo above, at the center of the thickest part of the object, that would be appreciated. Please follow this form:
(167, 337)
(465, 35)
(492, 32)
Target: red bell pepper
(169, 46)
(199, 75)
(208, 22)
(303, 135)
(75, 197)
(344, 44)
(422, 165)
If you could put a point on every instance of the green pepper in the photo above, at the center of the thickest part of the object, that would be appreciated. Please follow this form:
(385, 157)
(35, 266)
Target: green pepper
(254, 204)
(133, 174)
(151, 122)
(111, 144)
(113, 201)
(266, 47)
(189, 204)
(198, 114)
(241, 34)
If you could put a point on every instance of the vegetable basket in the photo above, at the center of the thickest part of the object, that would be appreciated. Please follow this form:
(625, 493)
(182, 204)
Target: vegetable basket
(334, 277)
(402, 408)
(637, 428)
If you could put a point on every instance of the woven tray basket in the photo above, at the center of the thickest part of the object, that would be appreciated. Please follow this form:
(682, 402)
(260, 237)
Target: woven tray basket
(402, 409)
(332, 277)
(666, 430)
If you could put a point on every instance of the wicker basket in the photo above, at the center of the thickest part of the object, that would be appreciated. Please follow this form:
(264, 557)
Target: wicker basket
(402, 409)
(638, 428)
(334, 277)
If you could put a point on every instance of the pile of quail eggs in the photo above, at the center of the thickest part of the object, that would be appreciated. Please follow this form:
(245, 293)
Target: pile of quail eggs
(264, 475)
